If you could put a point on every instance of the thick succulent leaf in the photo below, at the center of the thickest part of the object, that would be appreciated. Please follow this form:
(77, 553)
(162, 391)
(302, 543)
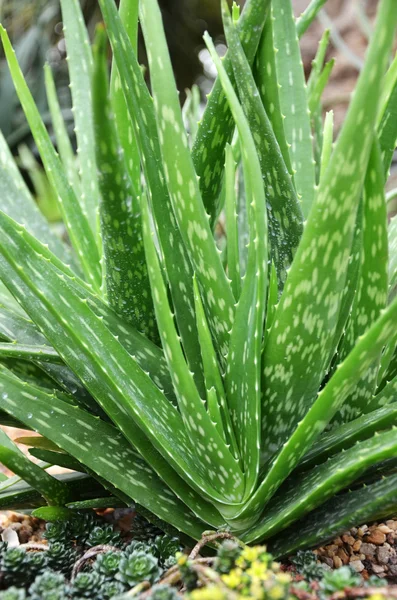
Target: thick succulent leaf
(77, 225)
(299, 345)
(388, 392)
(338, 515)
(233, 254)
(128, 11)
(149, 356)
(183, 184)
(61, 459)
(265, 74)
(306, 491)
(11, 456)
(244, 356)
(308, 16)
(16, 494)
(372, 288)
(89, 440)
(216, 126)
(122, 389)
(293, 102)
(26, 352)
(328, 139)
(17, 202)
(126, 279)
(387, 131)
(212, 375)
(207, 443)
(16, 329)
(328, 401)
(107, 502)
(80, 73)
(61, 134)
(176, 261)
(347, 434)
(284, 213)
(392, 235)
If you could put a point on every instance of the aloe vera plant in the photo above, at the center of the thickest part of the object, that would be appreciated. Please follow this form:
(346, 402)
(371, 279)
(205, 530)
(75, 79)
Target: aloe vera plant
(245, 390)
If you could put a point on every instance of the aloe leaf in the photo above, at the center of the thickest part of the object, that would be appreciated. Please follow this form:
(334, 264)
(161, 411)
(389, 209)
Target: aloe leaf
(182, 181)
(216, 126)
(272, 299)
(212, 375)
(102, 364)
(77, 433)
(315, 487)
(328, 139)
(388, 392)
(293, 102)
(346, 435)
(96, 503)
(372, 289)
(308, 16)
(300, 342)
(26, 352)
(388, 86)
(80, 66)
(38, 442)
(191, 112)
(16, 329)
(265, 74)
(338, 515)
(77, 225)
(50, 488)
(63, 142)
(61, 459)
(20, 495)
(233, 255)
(176, 260)
(128, 11)
(284, 213)
(392, 235)
(244, 356)
(149, 356)
(206, 441)
(17, 202)
(328, 401)
(126, 279)
(387, 131)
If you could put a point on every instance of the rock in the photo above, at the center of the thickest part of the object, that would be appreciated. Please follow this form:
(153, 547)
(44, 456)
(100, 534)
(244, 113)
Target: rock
(357, 545)
(384, 529)
(376, 537)
(383, 555)
(337, 562)
(393, 570)
(348, 539)
(378, 569)
(343, 556)
(357, 565)
(368, 549)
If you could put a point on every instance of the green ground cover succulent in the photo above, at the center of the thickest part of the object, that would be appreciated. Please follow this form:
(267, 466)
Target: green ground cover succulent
(246, 390)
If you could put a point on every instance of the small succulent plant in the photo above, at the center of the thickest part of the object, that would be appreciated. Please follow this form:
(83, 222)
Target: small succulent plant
(247, 389)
